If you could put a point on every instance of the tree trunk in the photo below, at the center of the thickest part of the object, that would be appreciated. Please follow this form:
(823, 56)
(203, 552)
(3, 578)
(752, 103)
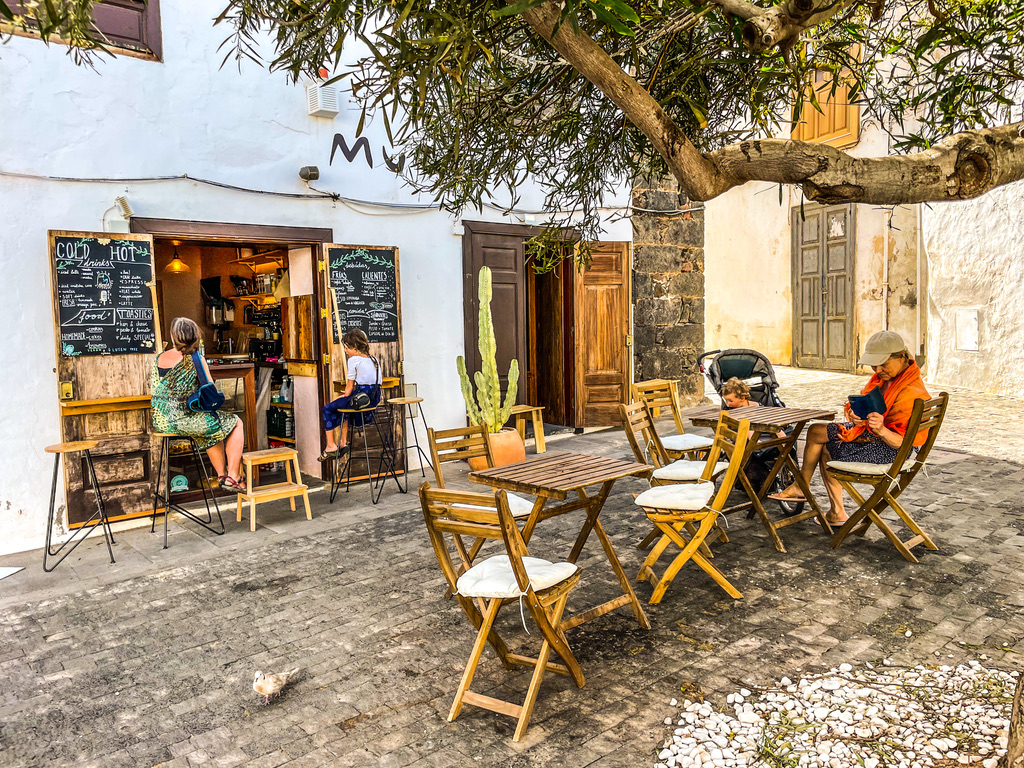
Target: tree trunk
(1015, 749)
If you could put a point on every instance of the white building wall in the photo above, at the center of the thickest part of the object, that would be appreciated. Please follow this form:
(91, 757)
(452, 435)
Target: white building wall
(133, 118)
(976, 253)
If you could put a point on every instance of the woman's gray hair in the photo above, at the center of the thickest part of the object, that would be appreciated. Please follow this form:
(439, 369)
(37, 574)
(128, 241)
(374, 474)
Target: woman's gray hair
(185, 335)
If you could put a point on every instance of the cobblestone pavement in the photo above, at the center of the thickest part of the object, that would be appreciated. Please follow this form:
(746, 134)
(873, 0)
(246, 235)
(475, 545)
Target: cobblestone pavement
(150, 662)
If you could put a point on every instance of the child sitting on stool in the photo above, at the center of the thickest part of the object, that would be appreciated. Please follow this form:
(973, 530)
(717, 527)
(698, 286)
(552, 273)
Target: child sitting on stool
(364, 376)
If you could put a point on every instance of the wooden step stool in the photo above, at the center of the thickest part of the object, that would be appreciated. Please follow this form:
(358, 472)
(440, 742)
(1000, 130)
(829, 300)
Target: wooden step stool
(274, 491)
(533, 412)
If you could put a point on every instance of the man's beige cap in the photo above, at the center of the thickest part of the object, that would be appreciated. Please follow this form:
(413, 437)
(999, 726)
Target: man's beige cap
(880, 346)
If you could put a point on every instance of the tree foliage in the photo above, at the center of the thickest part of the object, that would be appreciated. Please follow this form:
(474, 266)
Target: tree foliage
(481, 95)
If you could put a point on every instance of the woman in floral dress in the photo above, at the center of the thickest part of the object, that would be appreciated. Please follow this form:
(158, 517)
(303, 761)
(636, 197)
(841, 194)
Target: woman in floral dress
(173, 380)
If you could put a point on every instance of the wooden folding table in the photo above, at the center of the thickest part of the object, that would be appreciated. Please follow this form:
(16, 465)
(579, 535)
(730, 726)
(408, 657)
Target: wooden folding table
(766, 422)
(553, 477)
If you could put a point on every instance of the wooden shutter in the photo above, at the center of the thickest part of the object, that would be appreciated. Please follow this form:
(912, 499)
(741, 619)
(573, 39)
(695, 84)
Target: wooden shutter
(131, 25)
(838, 122)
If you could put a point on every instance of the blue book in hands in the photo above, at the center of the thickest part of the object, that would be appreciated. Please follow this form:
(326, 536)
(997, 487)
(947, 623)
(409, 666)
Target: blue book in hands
(872, 402)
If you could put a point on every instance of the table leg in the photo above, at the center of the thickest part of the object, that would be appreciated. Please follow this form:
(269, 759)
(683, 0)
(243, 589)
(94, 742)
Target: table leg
(592, 523)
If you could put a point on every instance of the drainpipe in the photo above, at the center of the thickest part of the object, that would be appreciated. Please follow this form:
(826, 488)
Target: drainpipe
(918, 349)
(885, 273)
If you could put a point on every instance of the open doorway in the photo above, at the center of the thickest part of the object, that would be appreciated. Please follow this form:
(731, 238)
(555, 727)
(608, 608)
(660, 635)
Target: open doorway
(246, 298)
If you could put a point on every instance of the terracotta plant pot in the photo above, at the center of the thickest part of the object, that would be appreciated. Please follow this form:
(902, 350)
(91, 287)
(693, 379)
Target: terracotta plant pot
(506, 448)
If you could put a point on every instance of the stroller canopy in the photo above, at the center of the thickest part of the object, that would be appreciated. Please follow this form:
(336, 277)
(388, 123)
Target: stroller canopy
(745, 364)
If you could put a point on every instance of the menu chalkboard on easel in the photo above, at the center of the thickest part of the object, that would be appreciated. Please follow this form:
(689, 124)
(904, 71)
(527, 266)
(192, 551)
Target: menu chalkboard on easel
(104, 301)
(365, 286)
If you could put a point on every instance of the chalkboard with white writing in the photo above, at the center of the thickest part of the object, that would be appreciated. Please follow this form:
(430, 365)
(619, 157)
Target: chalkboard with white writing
(364, 281)
(104, 302)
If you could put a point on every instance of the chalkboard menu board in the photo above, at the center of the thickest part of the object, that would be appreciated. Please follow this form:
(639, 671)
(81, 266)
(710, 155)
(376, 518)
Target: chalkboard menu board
(104, 303)
(365, 286)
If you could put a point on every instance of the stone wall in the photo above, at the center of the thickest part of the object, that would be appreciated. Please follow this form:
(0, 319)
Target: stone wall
(668, 286)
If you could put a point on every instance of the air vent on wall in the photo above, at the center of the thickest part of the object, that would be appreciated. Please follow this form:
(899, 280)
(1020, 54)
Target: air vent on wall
(321, 100)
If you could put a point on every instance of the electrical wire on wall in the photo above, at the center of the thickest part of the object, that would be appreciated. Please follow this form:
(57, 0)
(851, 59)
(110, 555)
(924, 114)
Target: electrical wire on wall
(351, 202)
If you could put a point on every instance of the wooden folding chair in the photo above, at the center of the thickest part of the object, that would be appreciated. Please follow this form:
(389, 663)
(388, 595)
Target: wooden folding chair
(462, 444)
(538, 586)
(661, 393)
(673, 508)
(888, 482)
(638, 423)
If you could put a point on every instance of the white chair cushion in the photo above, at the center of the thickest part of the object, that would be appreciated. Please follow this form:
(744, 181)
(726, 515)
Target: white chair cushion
(685, 470)
(687, 498)
(686, 442)
(494, 577)
(859, 467)
(519, 506)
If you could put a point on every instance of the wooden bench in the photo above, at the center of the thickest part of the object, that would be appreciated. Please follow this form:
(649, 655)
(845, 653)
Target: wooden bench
(534, 412)
(273, 491)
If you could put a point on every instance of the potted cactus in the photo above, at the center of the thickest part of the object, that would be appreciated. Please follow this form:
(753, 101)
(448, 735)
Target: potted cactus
(487, 407)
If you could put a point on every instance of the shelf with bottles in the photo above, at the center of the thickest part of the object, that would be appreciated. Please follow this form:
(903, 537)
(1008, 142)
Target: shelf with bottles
(282, 405)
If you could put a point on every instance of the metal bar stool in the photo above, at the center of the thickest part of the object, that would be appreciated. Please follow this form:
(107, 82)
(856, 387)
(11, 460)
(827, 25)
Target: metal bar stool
(164, 469)
(98, 518)
(409, 402)
(386, 457)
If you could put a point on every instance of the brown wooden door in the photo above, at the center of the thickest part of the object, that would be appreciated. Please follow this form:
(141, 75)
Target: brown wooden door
(602, 352)
(500, 247)
(105, 397)
(370, 273)
(823, 263)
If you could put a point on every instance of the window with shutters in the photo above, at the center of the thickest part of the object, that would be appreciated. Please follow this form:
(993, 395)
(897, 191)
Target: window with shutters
(838, 122)
(128, 26)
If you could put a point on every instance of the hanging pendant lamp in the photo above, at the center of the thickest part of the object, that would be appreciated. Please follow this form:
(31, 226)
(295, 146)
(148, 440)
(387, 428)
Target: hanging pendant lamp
(176, 265)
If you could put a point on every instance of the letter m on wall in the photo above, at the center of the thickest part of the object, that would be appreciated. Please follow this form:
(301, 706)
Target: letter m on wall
(350, 154)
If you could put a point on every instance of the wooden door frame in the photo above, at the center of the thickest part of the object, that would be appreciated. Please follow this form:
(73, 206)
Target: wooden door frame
(796, 218)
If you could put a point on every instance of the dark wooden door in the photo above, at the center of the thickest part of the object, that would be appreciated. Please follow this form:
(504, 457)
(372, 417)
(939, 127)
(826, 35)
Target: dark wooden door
(823, 263)
(602, 311)
(106, 398)
(500, 247)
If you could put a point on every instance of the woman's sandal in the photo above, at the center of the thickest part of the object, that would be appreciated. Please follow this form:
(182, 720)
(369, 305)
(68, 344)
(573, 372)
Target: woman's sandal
(232, 485)
(326, 455)
(782, 497)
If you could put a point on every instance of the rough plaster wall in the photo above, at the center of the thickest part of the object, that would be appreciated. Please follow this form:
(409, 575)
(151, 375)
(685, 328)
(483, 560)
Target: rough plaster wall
(135, 118)
(747, 272)
(975, 253)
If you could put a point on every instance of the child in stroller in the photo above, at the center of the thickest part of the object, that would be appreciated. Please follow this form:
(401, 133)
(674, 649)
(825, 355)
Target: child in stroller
(744, 377)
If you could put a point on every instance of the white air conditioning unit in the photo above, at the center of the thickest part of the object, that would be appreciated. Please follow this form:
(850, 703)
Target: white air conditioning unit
(321, 100)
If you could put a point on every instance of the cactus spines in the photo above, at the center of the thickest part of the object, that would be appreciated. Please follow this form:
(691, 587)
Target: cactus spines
(487, 407)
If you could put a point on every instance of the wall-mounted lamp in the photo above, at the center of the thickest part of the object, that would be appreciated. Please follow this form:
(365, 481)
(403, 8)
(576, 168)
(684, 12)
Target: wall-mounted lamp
(176, 265)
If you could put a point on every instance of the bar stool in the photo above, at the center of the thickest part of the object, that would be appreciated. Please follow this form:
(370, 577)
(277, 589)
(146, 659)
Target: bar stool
(408, 403)
(98, 518)
(386, 457)
(163, 469)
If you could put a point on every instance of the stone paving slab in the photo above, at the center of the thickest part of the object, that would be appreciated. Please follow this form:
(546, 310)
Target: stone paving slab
(151, 664)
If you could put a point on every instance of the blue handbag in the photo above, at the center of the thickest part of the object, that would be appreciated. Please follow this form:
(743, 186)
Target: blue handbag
(207, 398)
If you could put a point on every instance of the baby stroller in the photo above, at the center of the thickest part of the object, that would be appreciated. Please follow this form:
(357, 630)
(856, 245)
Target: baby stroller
(755, 370)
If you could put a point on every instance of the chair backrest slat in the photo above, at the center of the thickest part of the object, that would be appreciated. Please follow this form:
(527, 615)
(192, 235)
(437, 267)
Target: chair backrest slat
(659, 393)
(456, 513)
(926, 415)
(731, 439)
(457, 445)
(638, 423)
(482, 515)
